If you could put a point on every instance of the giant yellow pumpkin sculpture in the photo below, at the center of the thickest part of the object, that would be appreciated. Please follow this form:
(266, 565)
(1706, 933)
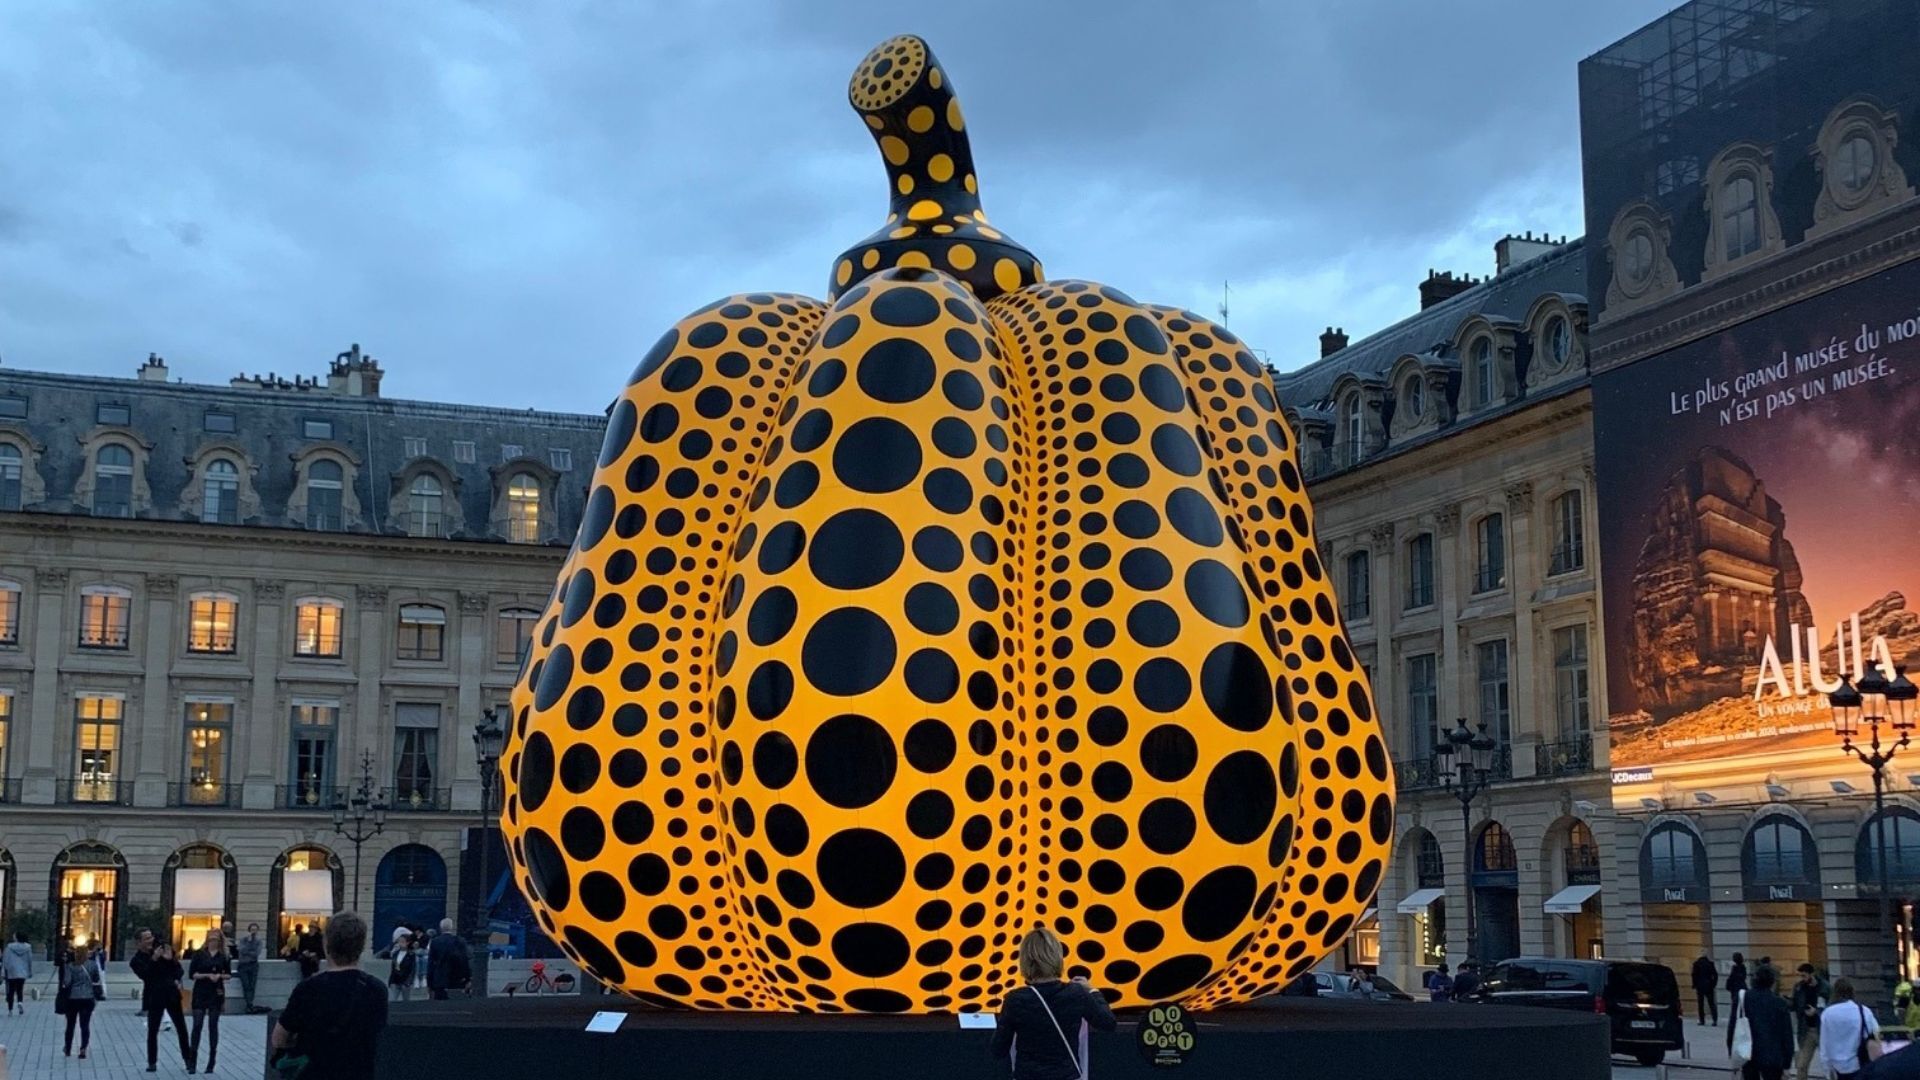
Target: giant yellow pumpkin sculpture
(965, 603)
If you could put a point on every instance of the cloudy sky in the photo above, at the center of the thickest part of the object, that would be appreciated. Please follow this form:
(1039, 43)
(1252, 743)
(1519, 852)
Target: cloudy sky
(506, 203)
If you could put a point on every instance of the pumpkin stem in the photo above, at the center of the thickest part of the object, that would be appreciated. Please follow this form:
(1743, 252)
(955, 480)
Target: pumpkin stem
(935, 221)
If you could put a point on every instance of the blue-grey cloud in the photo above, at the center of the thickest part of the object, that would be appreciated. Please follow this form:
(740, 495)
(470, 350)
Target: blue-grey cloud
(508, 202)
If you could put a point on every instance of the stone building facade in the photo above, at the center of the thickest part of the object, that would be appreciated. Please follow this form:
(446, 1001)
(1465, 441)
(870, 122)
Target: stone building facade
(218, 603)
(1450, 463)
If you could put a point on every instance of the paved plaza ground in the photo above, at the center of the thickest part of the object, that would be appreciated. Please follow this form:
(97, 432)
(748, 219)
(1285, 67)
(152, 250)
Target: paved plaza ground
(119, 1050)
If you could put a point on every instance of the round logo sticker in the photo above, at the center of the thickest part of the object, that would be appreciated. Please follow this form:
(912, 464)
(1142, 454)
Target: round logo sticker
(1166, 1035)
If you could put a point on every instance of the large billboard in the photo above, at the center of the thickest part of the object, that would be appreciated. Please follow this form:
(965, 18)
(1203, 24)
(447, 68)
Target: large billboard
(1759, 501)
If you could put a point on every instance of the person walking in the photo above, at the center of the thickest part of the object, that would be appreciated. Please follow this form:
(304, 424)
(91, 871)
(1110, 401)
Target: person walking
(1736, 981)
(448, 967)
(1846, 1030)
(334, 1019)
(402, 962)
(1809, 994)
(1032, 1031)
(212, 967)
(248, 952)
(1440, 985)
(1706, 981)
(16, 965)
(160, 996)
(1771, 1023)
(80, 981)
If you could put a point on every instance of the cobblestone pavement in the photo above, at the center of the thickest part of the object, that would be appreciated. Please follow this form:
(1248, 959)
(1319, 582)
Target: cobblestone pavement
(119, 1052)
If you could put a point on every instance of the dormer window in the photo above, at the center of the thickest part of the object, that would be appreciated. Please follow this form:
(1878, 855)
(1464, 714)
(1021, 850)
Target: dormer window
(1740, 217)
(113, 482)
(221, 502)
(10, 477)
(1414, 397)
(1482, 353)
(1353, 422)
(1854, 162)
(424, 507)
(523, 510)
(1559, 339)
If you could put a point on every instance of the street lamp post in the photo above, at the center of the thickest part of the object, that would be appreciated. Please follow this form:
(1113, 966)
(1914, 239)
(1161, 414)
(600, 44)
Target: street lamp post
(1875, 701)
(360, 816)
(1465, 765)
(488, 740)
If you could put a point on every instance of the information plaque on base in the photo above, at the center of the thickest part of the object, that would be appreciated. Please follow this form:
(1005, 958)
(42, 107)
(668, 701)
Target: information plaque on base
(1166, 1035)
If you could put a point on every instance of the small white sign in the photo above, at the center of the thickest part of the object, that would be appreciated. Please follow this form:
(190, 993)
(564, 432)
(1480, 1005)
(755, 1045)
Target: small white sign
(978, 1021)
(606, 1022)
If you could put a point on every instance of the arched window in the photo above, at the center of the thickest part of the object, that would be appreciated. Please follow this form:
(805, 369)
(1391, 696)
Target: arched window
(1854, 161)
(1413, 396)
(10, 472)
(1494, 853)
(1559, 339)
(1673, 865)
(1635, 259)
(1353, 425)
(1583, 855)
(423, 507)
(221, 505)
(113, 481)
(1483, 371)
(324, 484)
(1433, 864)
(523, 509)
(1903, 850)
(1359, 590)
(1778, 861)
(1739, 216)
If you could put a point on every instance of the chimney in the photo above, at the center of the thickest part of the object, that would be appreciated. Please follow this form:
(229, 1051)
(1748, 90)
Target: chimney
(154, 370)
(1512, 250)
(1443, 286)
(354, 374)
(1332, 341)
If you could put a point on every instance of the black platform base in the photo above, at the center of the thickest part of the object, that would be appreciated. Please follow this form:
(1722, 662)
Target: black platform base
(502, 1037)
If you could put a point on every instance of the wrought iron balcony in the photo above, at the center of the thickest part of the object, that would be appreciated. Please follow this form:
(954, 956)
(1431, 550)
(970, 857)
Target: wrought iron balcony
(204, 793)
(105, 792)
(1567, 558)
(306, 796)
(1568, 757)
(405, 799)
(1414, 774)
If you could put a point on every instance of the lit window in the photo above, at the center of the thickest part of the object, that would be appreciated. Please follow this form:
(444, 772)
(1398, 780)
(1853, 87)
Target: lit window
(414, 446)
(9, 613)
(208, 725)
(523, 509)
(113, 482)
(1853, 164)
(1572, 704)
(1359, 598)
(112, 414)
(96, 748)
(1740, 217)
(317, 429)
(312, 743)
(221, 504)
(422, 632)
(220, 423)
(324, 484)
(513, 635)
(1496, 704)
(210, 622)
(1490, 553)
(6, 727)
(1483, 371)
(10, 474)
(423, 506)
(1420, 571)
(317, 627)
(463, 451)
(104, 611)
(1569, 535)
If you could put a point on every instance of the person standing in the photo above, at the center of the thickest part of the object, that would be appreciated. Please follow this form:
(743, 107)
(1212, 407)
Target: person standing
(1440, 984)
(248, 952)
(80, 979)
(1809, 994)
(137, 963)
(212, 967)
(1771, 1023)
(16, 964)
(1706, 982)
(160, 996)
(1467, 983)
(334, 1019)
(402, 961)
(448, 967)
(1846, 1027)
(312, 950)
(1040, 1015)
(1736, 981)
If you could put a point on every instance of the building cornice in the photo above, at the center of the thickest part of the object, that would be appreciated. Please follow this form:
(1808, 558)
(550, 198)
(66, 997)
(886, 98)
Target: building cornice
(254, 536)
(1567, 403)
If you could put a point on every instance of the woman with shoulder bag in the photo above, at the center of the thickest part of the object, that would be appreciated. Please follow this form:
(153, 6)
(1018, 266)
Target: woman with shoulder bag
(1849, 1034)
(1035, 1019)
(1762, 1030)
(211, 969)
(80, 982)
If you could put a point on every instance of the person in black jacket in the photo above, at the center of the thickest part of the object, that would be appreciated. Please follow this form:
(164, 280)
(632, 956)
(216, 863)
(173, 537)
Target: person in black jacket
(160, 996)
(1736, 982)
(1706, 981)
(1771, 1021)
(1039, 1025)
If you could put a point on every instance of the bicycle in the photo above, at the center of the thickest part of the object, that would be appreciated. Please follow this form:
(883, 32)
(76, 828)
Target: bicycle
(538, 982)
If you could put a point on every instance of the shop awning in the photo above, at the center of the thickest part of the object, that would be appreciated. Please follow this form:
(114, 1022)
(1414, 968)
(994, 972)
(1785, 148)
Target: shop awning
(1570, 900)
(1417, 901)
(308, 891)
(200, 892)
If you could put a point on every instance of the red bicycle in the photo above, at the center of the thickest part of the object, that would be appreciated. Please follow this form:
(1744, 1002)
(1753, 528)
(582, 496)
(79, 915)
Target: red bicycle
(539, 982)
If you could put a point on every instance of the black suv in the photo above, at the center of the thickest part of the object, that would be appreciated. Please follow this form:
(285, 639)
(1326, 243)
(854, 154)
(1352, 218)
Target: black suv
(1641, 1000)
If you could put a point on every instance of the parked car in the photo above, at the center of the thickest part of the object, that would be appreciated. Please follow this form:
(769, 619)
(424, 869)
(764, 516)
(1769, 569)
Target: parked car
(1641, 1000)
(1340, 985)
